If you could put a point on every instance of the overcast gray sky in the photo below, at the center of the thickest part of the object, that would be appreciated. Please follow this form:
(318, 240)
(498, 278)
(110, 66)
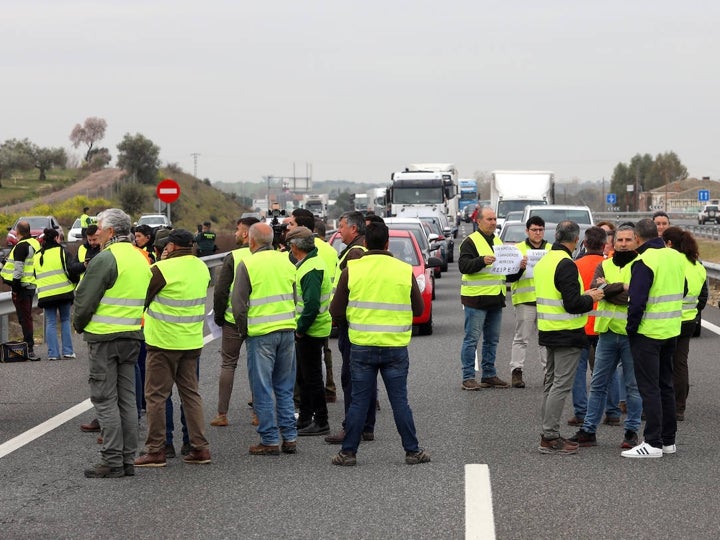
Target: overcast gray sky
(360, 89)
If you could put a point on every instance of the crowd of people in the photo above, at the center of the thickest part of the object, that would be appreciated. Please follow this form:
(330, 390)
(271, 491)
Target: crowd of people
(626, 307)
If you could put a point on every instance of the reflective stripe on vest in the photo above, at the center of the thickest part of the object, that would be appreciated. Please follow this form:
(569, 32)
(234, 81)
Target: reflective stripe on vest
(121, 307)
(28, 275)
(50, 276)
(271, 306)
(238, 255)
(551, 314)
(379, 311)
(523, 290)
(663, 312)
(174, 319)
(483, 283)
(695, 274)
(322, 324)
(611, 316)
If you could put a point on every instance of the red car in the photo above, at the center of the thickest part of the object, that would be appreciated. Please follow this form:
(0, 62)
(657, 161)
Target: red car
(37, 225)
(404, 247)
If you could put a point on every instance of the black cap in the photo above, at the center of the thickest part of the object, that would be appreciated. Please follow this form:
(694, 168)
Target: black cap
(181, 238)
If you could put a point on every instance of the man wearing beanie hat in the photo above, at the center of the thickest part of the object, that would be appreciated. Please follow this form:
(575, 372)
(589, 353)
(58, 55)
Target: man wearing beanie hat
(174, 317)
(313, 327)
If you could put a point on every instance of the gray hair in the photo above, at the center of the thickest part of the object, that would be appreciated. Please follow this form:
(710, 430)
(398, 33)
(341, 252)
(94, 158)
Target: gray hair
(567, 231)
(355, 218)
(117, 219)
(261, 234)
(306, 244)
(646, 229)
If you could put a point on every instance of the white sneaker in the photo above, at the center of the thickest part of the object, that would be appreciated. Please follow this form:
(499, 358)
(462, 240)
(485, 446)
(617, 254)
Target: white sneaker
(669, 449)
(643, 450)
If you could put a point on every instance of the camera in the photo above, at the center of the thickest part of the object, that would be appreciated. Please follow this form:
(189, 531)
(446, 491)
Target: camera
(278, 228)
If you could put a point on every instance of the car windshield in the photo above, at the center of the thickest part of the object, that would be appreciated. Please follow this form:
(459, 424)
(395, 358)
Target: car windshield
(152, 220)
(76, 224)
(402, 248)
(556, 215)
(417, 195)
(415, 229)
(504, 207)
(36, 222)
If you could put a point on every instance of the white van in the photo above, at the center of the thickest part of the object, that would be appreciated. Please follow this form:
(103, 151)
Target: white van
(555, 213)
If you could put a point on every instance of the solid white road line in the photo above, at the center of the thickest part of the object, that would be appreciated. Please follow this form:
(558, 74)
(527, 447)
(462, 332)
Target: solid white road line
(710, 326)
(56, 421)
(479, 521)
(40, 430)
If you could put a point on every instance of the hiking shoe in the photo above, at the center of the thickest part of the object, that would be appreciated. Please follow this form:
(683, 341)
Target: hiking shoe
(337, 438)
(584, 438)
(104, 471)
(344, 459)
(313, 428)
(575, 421)
(151, 459)
(557, 446)
(288, 447)
(198, 457)
(470, 384)
(169, 451)
(34, 358)
(219, 421)
(517, 380)
(669, 449)
(612, 421)
(368, 436)
(631, 440)
(413, 458)
(493, 382)
(643, 450)
(265, 450)
(129, 469)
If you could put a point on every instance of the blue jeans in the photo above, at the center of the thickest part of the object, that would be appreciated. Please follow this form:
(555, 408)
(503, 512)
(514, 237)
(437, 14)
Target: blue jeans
(170, 413)
(65, 333)
(272, 370)
(392, 363)
(612, 349)
(485, 323)
(580, 393)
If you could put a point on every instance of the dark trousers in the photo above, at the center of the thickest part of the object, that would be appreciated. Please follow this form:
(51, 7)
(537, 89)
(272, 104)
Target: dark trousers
(653, 359)
(346, 381)
(23, 307)
(681, 376)
(308, 352)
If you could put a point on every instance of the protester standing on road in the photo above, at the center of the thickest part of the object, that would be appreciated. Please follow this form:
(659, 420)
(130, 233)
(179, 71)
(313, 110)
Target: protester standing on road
(562, 308)
(231, 341)
(656, 290)
(108, 312)
(55, 294)
(328, 254)
(352, 231)
(482, 294)
(174, 318)
(18, 272)
(263, 303)
(693, 303)
(205, 240)
(313, 328)
(376, 298)
(613, 346)
(524, 301)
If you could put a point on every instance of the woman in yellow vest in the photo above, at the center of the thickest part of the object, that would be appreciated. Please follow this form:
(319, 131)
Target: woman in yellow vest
(55, 294)
(693, 303)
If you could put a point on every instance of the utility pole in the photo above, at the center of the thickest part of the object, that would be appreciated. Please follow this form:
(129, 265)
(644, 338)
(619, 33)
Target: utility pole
(195, 156)
(268, 179)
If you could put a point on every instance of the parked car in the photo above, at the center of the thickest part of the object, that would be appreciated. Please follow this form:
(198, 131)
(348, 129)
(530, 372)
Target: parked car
(446, 243)
(709, 212)
(37, 225)
(555, 213)
(75, 232)
(154, 220)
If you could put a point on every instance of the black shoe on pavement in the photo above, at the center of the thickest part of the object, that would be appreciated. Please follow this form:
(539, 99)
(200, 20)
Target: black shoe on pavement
(169, 451)
(104, 471)
(583, 438)
(631, 440)
(413, 458)
(186, 449)
(314, 429)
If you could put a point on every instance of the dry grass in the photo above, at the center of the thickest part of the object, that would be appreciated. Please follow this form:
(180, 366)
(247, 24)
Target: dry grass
(709, 250)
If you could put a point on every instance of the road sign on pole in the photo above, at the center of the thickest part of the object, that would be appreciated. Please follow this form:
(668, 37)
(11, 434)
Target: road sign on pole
(168, 191)
(703, 195)
(611, 199)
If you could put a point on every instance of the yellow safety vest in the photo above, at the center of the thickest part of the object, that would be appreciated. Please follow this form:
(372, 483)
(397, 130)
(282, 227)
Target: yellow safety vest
(482, 283)
(328, 254)
(28, 275)
(551, 314)
(662, 318)
(695, 274)
(50, 275)
(174, 319)
(322, 324)
(271, 305)
(611, 316)
(121, 307)
(338, 269)
(379, 311)
(523, 290)
(239, 254)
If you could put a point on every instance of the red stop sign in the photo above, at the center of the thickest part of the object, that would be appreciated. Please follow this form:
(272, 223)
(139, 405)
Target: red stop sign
(168, 191)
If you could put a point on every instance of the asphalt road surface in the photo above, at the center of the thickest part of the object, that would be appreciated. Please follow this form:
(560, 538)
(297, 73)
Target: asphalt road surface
(595, 493)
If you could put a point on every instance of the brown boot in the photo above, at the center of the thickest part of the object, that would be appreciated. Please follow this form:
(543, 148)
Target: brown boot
(265, 450)
(517, 380)
(152, 459)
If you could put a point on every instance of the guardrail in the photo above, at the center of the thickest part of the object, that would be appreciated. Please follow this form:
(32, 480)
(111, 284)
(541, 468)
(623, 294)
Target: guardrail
(8, 308)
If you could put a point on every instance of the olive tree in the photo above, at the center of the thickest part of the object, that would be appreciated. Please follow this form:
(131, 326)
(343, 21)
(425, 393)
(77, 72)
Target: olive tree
(92, 131)
(139, 156)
